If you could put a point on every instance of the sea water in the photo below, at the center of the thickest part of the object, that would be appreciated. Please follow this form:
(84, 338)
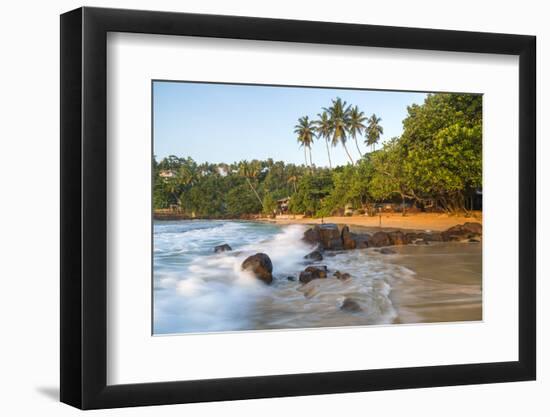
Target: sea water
(197, 290)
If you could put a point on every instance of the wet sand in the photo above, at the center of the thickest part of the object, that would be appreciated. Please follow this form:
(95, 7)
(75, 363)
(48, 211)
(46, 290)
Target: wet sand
(446, 284)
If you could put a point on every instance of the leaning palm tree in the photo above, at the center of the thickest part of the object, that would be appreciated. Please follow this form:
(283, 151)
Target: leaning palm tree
(306, 133)
(322, 127)
(356, 125)
(250, 170)
(292, 180)
(374, 130)
(339, 114)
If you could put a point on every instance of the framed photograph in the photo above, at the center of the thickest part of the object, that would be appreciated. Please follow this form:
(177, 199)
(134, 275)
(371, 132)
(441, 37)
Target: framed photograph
(258, 208)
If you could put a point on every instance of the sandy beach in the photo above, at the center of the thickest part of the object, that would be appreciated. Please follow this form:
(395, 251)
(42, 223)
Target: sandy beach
(416, 221)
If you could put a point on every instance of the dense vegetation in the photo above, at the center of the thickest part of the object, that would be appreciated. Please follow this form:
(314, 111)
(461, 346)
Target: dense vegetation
(438, 158)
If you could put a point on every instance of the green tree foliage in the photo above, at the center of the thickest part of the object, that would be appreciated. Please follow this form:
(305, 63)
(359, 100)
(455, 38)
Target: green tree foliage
(374, 130)
(312, 189)
(442, 142)
(239, 202)
(269, 204)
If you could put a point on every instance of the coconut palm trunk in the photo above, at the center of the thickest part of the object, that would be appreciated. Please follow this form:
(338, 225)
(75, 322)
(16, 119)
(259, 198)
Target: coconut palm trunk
(310, 158)
(305, 155)
(255, 192)
(358, 150)
(349, 156)
(328, 153)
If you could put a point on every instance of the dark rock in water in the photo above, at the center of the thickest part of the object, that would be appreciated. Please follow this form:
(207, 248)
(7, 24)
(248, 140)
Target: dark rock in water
(387, 251)
(330, 236)
(317, 271)
(342, 276)
(260, 265)
(312, 235)
(291, 278)
(398, 238)
(421, 242)
(453, 234)
(305, 277)
(327, 235)
(222, 248)
(362, 241)
(431, 237)
(334, 244)
(314, 256)
(328, 231)
(313, 272)
(474, 240)
(462, 232)
(353, 240)
(348, 239)
(379, 239)
(351, 306)
(457, 229)
(472, 227)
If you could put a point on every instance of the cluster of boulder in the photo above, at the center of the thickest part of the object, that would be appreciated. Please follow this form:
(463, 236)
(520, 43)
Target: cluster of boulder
(330, 237)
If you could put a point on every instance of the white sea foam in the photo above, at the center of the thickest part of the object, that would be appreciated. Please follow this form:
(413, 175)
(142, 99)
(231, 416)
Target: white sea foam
(197, 290)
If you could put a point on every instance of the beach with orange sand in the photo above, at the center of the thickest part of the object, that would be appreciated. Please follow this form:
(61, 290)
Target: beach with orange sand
(394, 221)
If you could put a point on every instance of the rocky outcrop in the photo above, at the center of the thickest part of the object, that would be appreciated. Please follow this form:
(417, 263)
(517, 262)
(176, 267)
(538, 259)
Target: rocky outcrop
(222, 248)
(326, 235)
(353, 240)
(379, 239)
(472, 227)
(260, 265)
(463, 232)
(348, 239)
(312, 235)
(431, 237)
(398, 238)
(330, 237)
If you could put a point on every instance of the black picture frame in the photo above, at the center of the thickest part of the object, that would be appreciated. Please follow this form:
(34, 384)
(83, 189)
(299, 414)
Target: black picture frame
(84, 207)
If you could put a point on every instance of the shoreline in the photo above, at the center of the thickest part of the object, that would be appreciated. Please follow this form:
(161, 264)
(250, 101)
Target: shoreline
(386, 222)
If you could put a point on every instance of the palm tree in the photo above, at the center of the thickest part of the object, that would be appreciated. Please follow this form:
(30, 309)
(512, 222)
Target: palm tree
(250, 170)
(339, 114)
(356, 125)
(306, 132)
(292, 180)
(374, 130)
(322, 127)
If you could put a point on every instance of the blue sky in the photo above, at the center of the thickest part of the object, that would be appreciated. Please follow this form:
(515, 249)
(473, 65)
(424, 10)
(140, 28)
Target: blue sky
(228, 123)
